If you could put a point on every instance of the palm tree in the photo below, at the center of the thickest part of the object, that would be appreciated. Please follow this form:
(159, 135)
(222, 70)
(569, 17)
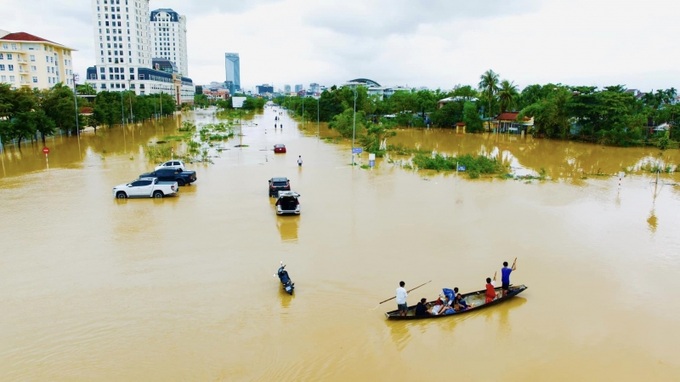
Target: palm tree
(507, 95)
(489, 87)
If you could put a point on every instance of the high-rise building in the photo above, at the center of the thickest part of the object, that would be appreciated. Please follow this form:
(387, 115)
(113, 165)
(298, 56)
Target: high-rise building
(123, 46)
(232, 66)
(169, 36)
(33, 62)
(264, 89)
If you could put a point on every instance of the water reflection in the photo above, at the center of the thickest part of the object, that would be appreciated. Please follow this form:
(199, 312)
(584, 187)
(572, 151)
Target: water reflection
(400, 334)
(503, 312)
(555, 159)
(285, 298)
(288, 227)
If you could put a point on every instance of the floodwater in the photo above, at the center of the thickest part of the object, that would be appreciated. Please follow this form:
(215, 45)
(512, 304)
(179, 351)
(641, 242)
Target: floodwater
(183, 288)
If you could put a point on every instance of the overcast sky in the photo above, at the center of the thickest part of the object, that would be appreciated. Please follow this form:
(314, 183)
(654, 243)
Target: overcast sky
(431, 43)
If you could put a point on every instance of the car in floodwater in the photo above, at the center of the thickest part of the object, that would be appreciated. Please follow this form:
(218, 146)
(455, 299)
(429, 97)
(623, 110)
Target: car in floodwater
(287, 203)
(145, 188)
(279, 148)
(277, 184)
(171, 164)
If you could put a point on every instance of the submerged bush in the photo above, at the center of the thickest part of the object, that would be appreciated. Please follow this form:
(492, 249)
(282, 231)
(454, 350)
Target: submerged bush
(474, 166)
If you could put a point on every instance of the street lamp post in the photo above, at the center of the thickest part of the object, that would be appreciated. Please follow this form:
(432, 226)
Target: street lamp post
(132, 116)
(354, 122)
(317, 116)
(122, 110)
(303, 111)
(75, 100)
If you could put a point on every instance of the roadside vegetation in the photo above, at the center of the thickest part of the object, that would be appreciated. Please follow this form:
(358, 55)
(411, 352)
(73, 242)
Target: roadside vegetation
(474, 166)
(32, 115)
(611, 115)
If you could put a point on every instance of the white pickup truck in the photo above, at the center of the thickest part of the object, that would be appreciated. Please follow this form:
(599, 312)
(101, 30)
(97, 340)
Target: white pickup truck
(145, 188)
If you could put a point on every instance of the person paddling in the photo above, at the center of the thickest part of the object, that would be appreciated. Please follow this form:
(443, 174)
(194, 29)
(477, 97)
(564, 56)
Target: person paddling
(490, 291)
(401, 299)
(505, 276)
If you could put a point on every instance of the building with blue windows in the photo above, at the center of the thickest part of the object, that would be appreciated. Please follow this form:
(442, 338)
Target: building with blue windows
(232, 67)
(124, 53)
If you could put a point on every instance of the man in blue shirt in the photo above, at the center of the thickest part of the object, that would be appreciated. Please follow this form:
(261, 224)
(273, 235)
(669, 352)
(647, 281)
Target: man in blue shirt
(505, 276)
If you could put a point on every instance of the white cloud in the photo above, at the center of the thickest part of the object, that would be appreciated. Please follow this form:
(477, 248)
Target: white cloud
(439, 43)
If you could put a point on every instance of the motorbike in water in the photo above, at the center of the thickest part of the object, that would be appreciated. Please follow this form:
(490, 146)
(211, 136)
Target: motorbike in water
(287, 284)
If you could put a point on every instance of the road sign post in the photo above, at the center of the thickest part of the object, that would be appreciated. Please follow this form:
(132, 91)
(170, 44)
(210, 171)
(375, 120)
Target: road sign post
(46, 151)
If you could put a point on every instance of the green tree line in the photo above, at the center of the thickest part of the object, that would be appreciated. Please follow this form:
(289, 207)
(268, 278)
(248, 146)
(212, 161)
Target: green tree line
(612, 115)
(32, 115)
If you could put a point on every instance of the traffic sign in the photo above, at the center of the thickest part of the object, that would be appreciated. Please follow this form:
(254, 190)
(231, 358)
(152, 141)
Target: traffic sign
(357, 150)
(46, 150)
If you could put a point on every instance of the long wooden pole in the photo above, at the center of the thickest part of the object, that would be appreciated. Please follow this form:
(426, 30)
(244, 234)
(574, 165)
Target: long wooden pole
(392, 298)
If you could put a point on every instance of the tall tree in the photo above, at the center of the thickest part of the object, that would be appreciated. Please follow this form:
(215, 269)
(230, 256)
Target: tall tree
(488, 84)
(507, 94)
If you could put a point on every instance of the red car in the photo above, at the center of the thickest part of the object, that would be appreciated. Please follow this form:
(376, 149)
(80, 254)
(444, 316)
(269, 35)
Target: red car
(280, 148)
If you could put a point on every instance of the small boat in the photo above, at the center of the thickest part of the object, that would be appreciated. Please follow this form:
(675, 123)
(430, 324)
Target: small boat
(476, 301)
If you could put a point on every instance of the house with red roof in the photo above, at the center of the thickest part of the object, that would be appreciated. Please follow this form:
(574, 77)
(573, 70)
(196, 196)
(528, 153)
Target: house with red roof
(509, 122)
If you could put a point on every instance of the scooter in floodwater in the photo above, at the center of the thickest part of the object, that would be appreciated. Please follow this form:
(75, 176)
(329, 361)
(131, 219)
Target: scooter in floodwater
(286, 282)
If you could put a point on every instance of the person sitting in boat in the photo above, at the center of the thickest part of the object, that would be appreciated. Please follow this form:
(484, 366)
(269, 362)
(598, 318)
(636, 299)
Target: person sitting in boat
(490, 291)
(421, 308)
(458, 300)
(437, 307)
(449, 294)
(447, 309)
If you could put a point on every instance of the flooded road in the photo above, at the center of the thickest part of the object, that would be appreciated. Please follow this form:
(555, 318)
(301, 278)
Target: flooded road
(183, 288)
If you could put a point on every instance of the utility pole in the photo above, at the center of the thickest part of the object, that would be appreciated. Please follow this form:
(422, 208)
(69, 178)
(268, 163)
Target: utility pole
(132, 117)
(75, 99)
(354, 122)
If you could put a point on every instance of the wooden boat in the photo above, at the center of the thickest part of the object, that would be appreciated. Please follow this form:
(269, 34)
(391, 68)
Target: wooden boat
(476, 301)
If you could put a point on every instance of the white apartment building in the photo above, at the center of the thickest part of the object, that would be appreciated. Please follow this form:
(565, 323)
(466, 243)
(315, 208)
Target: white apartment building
(169, 36)
(123, 53)
(33, 62)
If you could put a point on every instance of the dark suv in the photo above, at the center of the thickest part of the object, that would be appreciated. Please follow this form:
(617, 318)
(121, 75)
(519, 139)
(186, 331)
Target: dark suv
(173, 175)
(278, 184)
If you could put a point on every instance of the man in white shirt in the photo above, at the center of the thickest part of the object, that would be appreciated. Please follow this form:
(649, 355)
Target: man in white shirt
(401, 299)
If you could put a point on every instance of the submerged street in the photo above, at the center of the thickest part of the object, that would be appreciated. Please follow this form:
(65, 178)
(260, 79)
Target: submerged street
(184, 288)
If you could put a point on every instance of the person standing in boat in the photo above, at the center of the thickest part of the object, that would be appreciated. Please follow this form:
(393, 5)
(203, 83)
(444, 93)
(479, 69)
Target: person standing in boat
(505, 276)
(401, 299)
(490, 291)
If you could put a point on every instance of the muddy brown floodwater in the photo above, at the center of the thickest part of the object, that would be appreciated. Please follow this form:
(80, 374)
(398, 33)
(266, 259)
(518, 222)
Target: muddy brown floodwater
(97, 289)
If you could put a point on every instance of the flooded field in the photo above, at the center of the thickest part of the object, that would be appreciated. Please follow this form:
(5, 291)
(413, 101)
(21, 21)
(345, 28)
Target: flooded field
(183, 288)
